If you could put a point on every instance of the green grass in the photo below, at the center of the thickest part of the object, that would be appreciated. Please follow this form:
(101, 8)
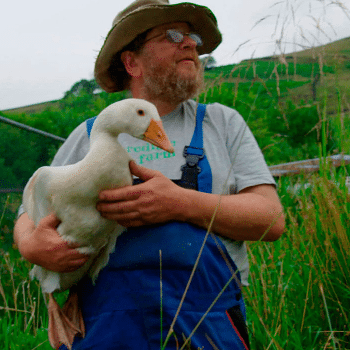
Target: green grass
(299, 294)
(23, 315)
(302, 278)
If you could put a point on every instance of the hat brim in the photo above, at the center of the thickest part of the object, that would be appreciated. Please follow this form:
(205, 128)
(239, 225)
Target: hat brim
(128, 28)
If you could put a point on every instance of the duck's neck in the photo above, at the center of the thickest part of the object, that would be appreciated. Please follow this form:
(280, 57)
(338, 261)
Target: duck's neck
(105, 145)
(108, 160)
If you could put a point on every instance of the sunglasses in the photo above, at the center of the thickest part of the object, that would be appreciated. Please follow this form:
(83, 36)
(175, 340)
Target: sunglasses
(175, 36)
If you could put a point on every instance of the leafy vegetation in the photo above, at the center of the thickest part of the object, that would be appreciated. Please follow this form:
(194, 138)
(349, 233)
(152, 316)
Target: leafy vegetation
(30, 151)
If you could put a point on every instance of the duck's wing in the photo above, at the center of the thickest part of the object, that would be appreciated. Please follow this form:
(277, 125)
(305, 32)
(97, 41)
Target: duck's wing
(37, 204)
(36, 196)
(102, 257)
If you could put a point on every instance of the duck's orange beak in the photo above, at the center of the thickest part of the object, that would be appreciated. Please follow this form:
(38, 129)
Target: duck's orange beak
(155, 134)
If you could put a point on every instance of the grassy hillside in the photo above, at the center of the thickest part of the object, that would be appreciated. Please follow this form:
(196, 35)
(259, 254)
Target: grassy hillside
(334, 87)
(31, 109)
(337, 52)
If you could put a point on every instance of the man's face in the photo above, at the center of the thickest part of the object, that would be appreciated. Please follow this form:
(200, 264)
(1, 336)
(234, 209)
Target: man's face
(171, 71)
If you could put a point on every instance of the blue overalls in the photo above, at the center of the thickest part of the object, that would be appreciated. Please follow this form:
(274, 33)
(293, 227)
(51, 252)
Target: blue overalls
(124, 309)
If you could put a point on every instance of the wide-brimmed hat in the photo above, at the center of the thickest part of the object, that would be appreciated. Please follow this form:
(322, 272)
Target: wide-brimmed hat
(142, 15)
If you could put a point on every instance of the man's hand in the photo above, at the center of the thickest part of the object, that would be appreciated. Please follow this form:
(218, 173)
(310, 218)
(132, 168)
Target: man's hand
(42, 245)
(157, 200)
(253, 213)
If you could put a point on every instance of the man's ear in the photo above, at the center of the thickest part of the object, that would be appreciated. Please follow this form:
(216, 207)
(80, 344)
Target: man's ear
(131, 64)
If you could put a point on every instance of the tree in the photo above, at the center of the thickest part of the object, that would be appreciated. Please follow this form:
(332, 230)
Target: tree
(208, 62)
(82, 86)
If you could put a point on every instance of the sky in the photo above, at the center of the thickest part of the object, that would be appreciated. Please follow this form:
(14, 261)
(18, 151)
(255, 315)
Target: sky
(46, 46)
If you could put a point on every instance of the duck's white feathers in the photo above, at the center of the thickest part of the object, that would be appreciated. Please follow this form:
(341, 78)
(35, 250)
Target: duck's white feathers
(71, 191)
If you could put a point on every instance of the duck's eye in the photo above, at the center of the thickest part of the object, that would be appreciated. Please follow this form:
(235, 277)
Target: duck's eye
(141, 112)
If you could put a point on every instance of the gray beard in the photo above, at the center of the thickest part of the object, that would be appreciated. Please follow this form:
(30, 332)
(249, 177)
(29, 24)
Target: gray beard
(167, 86)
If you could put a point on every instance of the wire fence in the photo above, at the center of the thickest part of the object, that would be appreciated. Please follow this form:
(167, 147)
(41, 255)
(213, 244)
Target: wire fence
(32, 130)
(11, 190)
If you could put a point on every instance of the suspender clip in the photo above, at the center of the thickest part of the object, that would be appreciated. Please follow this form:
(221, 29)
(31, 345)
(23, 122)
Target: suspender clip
(191, 169)
(193, 155)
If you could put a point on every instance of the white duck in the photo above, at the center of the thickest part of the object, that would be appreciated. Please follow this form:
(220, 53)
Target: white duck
(71, 192)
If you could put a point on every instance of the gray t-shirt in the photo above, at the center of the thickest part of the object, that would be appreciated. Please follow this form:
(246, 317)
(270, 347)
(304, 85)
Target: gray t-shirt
(234, 156)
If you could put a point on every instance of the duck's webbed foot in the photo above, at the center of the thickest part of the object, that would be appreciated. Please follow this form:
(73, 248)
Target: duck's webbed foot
(66, 323)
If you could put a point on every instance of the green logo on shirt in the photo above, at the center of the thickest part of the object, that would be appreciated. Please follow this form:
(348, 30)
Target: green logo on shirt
(148, 153)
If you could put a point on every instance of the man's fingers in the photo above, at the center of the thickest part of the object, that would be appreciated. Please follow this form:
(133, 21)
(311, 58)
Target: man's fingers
(72, 266)
(142, 172)
(119, 194)
(72, 245)
(129, 193)
(51, 220)
(75, 253)
(131, 216)
(120, 207)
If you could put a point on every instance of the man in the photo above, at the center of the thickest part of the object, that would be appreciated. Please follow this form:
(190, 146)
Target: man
(152, 50)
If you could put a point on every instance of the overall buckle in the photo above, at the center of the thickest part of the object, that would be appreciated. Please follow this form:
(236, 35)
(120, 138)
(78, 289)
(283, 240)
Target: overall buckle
(191, 169)
(193, 158)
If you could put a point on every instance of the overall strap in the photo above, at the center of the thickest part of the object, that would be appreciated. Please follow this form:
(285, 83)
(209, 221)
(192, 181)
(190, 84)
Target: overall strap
(196, 173)
(89, 124)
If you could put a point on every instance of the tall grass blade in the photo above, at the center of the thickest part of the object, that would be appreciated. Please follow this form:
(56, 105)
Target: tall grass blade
(328, 318)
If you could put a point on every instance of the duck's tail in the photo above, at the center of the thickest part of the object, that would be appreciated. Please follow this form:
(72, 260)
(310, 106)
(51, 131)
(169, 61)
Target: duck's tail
(49, 280)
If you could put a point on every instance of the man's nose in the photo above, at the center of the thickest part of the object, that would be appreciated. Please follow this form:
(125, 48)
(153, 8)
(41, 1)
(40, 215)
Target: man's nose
(188, 42)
